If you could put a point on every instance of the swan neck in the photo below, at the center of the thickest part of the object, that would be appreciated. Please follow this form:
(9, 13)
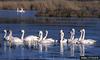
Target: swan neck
(62, 36)
(73, 33)
(70, 35)
(22, 37)
(45, 36)
(10, 36)
(80, 36)
(41, 36)
(83, 35)
(5, 35)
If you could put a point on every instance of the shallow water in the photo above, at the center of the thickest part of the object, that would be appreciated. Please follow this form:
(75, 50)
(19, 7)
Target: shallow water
(53, 51)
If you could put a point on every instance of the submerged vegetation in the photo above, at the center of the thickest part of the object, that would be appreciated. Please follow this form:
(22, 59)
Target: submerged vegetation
(56, 8)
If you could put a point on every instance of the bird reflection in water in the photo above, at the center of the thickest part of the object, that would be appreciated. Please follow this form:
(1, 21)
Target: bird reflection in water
(82, 49)
(61, 48)
(72, 48)
(44, 47)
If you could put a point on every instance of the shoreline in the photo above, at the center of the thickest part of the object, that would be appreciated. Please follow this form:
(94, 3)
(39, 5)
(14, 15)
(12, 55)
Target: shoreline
(52, 21)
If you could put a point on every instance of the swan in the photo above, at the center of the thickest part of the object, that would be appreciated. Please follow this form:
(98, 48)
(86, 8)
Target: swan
(21, 10)
(30, 39)
(47, 40)
(72, 39)
(16, 40)
(82, 39)
(62, 40)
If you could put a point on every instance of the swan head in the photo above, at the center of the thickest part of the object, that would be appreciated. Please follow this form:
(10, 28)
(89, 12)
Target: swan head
(5, 30)
(73, 29)
(46, 31)
(40, 32)
(83, 30)
(22, 31)
(72, 32)
(61, 31)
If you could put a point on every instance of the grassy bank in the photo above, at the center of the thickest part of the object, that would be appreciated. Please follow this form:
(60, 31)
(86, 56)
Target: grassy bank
(57, 7)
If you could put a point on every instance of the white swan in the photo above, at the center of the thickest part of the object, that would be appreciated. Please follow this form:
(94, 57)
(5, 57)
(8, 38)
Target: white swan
(16, 40)
(21, 10)
(72, 39)
(47, 40)
(31, 39)
(62, 40)
(82, 39)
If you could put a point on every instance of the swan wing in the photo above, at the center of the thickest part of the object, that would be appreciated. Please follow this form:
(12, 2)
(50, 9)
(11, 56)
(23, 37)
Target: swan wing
(73, 41)
(16, 39)
(46, 42)
(31, 38)
(7, 38)
(64, 41)
(50, 39)
(89, 41)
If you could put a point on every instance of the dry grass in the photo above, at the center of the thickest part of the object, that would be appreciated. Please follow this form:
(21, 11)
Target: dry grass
(51, 5)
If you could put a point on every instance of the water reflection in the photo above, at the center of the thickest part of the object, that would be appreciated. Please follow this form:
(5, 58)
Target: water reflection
(22, 52)
(72, 49)
(82, 49)
(40, 48)
(5, 45)
(43, 49)
(61, 48)
(9, 53)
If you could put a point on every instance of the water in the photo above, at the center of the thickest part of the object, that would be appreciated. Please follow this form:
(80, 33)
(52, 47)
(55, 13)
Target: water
(15, 14)
(54, 51)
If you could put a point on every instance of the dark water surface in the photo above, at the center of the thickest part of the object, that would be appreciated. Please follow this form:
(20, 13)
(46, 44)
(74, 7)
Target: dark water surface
(52, 51)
